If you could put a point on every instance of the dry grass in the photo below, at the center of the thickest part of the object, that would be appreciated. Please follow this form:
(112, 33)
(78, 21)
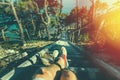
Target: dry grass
(4, 50)
(36, 44)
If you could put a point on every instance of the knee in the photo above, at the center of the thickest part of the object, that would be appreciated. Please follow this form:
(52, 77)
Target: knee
(43, 70)
(68, 75)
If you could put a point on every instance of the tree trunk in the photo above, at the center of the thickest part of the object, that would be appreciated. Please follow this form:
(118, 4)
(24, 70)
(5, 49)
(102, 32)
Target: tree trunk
(79, 31)
(28, 34)
(3, 35)
(77, 14)
(19, 23)
(73, 37)
(58, 27)
(47, 31)
(47, 22)
(39, 34)
(58, 14)
(33, 23)
(92, 10)
(60, 8)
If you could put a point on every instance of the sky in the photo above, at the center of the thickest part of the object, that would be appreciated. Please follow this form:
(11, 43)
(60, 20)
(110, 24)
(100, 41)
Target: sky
(69, 4)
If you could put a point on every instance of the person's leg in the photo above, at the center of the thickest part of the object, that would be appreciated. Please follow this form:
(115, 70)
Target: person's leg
(49, 73)
(68, 75)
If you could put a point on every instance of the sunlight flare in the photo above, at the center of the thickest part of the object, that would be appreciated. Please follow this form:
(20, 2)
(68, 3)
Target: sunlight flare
(112, 28)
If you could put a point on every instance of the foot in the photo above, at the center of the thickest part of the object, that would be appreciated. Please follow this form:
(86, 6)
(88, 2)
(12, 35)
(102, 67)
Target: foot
(64, 56)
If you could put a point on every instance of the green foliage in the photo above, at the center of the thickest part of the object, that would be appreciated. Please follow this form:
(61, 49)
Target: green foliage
(54, 22)
(26, 5)
(8, 9)
(84, 37)
(5, 9)
(8, 45)
(28, 10)
(77, 12)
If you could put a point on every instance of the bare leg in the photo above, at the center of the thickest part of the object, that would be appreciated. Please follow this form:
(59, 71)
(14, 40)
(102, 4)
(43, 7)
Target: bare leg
(68, 75)
(49, 73)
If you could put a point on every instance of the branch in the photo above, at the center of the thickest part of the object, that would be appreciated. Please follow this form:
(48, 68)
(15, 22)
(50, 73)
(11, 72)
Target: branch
(60, 7)
(46, 11)
(37, 8)
(3, 3)
(43, 19)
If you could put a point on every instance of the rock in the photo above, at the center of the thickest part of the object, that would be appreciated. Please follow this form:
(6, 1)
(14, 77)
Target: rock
(16, 52)
(10, 51)
(24, 54)
(3, 63)
(7, 60)
(2, 52)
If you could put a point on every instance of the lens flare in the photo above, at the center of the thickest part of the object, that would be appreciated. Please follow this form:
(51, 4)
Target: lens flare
(112, 27)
